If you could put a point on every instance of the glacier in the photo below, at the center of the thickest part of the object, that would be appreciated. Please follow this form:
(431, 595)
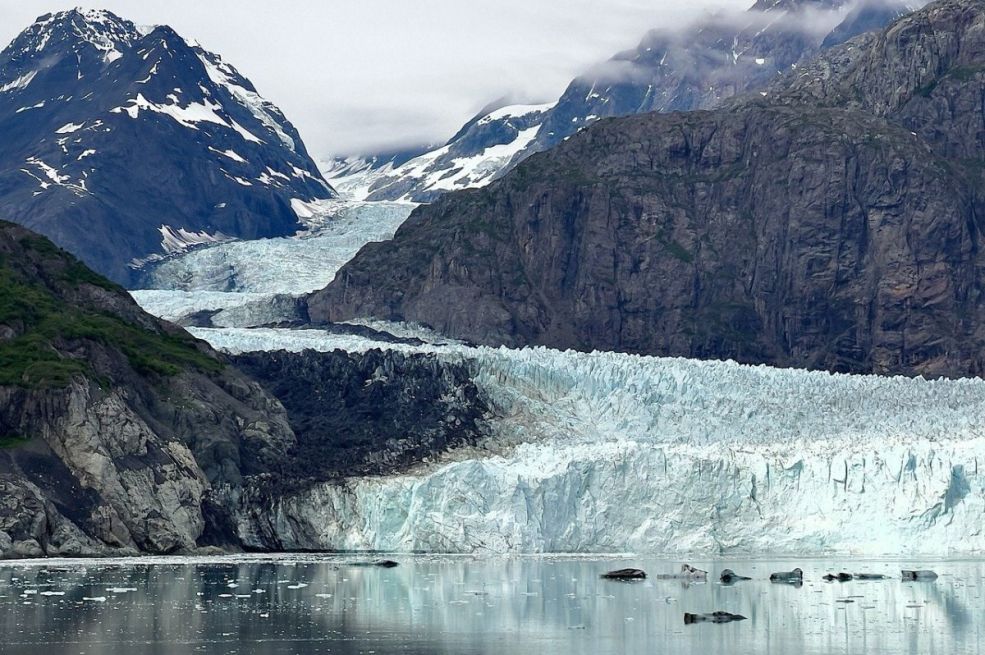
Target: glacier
(246, 281)
(287, 265)
(606, 452)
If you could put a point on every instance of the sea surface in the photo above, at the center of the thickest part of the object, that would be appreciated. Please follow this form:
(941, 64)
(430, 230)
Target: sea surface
(470, 606)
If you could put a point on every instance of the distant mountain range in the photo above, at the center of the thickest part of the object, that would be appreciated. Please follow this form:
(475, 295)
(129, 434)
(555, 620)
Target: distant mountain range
(717, 58)
(124, 145)
(832, 221)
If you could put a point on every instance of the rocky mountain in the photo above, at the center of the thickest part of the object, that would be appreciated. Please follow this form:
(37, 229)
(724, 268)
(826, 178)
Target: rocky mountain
(124, 145)
(698, 68)
(832, 223)
(115, 427)
(122, 434)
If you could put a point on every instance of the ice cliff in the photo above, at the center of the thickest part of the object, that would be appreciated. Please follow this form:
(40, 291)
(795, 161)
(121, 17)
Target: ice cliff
(621, 453)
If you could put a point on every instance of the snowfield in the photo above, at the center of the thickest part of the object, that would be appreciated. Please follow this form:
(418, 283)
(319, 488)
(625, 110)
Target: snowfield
(607, 452)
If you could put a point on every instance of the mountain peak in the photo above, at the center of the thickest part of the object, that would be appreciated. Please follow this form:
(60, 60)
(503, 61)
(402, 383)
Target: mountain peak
(104, 31)
(113, 130)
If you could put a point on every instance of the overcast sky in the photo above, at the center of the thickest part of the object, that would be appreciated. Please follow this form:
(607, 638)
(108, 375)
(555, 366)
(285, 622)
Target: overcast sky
(360, 75)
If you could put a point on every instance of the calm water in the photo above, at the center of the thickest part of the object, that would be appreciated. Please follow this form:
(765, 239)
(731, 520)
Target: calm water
(465, 606)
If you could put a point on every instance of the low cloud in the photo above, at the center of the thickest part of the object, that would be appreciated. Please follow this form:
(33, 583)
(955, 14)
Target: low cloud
(379, 74)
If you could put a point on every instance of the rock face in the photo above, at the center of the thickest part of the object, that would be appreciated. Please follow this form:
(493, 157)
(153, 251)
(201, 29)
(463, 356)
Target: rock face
(124, 146)
(713, 60)
(372, 414)
(115, 427)
(388, 411)
(832, 224)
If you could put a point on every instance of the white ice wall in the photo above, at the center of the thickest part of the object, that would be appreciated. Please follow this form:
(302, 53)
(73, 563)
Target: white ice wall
(621, 453)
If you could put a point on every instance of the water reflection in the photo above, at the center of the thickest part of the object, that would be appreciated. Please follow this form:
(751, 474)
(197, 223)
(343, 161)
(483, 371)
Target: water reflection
(467, 606)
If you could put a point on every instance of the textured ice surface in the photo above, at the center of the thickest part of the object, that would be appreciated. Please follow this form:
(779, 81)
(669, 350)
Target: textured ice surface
(240, 279)
(290, 265)
(232, 309)
(615, 453)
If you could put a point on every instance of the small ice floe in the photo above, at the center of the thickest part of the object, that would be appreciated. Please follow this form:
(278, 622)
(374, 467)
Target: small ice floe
(232, 585)
(225, 595)
(30, 592)
(121, 590)
(52, 593)
(299, 585)
(94, 599)
(259, 591)
(688, 572)
(323, 595)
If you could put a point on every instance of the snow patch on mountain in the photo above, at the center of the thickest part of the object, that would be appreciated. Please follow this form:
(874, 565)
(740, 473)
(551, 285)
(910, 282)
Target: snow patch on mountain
(19, 83)
(481, 152)
(229, 78)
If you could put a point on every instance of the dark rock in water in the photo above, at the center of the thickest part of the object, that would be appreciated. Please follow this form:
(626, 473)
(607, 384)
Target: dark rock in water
(625, 574)
(840, 577)
(910, 576)
(714, 617)
(729, 576)
(871, 576)
(381, 563)
(796, 576)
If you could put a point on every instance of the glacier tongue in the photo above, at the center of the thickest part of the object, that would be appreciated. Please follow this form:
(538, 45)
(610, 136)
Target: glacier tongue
(289, 265)
(611, 452)
(246, 282)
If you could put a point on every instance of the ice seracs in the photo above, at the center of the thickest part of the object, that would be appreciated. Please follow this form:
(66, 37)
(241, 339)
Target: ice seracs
(604, 452)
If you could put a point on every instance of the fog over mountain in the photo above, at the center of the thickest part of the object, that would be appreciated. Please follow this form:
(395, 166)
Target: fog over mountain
(360, 77)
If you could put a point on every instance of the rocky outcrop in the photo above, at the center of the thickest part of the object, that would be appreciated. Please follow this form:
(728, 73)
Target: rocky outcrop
(373, 413)
(355, 415)
(115, 427)
(831, 224)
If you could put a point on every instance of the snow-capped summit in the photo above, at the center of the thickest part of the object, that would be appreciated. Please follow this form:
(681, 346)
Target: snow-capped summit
(482, 150)
(125, 144)
(76, 30)
(719, 57)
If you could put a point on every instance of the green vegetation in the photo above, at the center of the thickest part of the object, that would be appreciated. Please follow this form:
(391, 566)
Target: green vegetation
(8, 441)
(47, 326)
(75, 272)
